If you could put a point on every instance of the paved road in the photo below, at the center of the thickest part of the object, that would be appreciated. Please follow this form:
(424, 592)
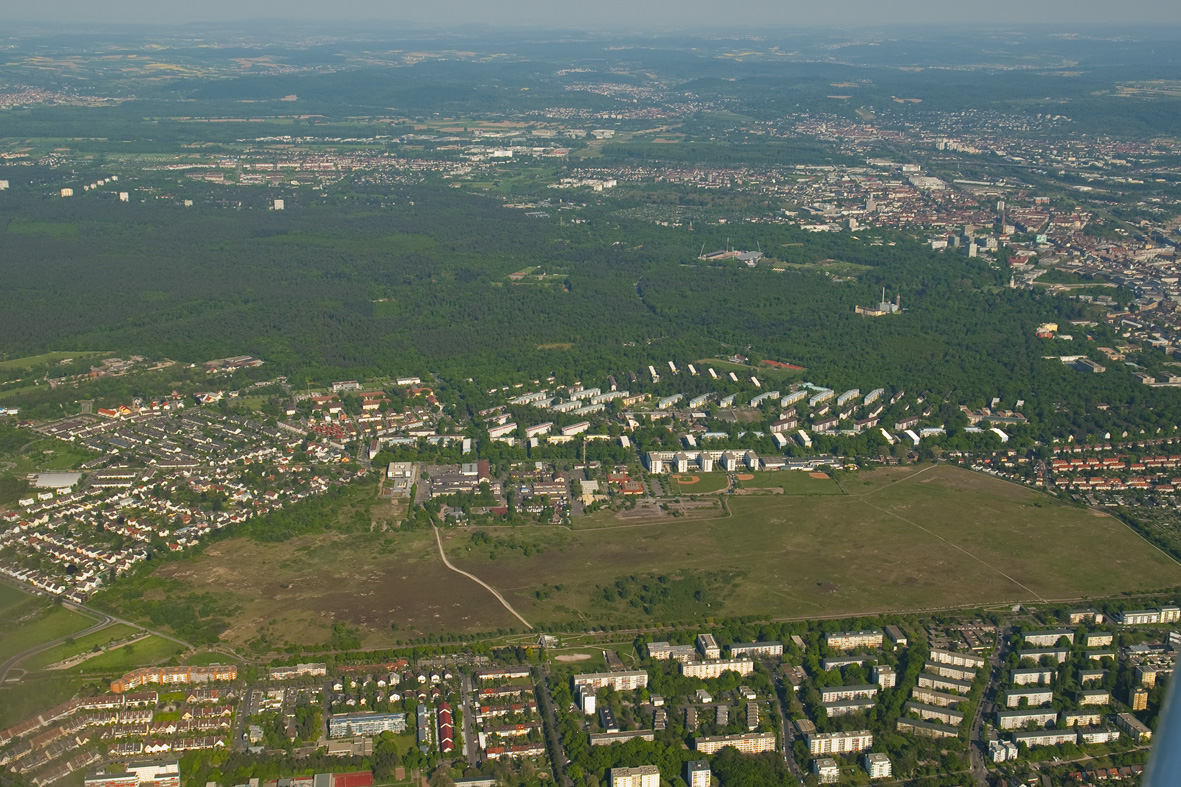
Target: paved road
(103, 622)
(977, 748)
(478, 581)
(104, 619)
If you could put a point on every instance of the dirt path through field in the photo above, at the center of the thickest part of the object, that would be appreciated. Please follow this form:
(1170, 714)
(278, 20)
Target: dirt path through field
(478, 581)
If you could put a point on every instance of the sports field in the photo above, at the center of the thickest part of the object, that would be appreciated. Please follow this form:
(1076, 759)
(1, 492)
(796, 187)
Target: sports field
(792, 482)
(697, 483)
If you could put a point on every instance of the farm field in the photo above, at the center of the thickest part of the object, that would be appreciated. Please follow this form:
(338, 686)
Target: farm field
(905, 540)
(900, 539)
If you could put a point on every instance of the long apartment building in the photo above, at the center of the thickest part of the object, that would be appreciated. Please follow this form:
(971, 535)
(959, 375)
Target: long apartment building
(664, 651)
(174, 676)
(1034, 697)
(847, 640)
(1016, 719)
(927, 729)
(746, 743)
(820, 743)
(626, 680)
(1148, 617)
(836, 693)
(936, 712)
(715, 667)
(950, 671)
(957, 659)
(756, 649)
(639, 776)
(1045, 639)
(938, 698)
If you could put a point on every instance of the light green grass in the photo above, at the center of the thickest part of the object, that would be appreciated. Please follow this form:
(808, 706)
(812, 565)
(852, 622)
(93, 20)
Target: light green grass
(46, 625)
(18, 701)
(41, 360)
(146, 652)
(83, 644)
(792, 482)
(706, 482)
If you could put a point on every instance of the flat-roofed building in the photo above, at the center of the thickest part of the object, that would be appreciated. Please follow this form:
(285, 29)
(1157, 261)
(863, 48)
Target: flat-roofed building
(1055, 655)
(1098, 734)
(957, 659)
(624, 680)
(664, 651)
(839, 708)
(932, 697)
(1135, 728)
(928, 681)
(708, 645)
(847, 640)
(745, 742)
(1098, 639)
(715, 667)
(1146, 676)
(835, 693)
(897, 636)
(1033, 738)
(697, 773)
(950, 671)
(756, 649)
(1081, 718)
(877, 765)
(927, 729)
(1048, 638)
(936, 712)
(1033, 697)
(1027, 677)
(1016, 719)
(826, 769)
(1094, 697)
(838, 742)
(884, 676)
(1138, 698)
(639, 776)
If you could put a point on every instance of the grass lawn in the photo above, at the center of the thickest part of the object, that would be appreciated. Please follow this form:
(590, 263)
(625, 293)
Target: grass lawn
(38, 360)
(10, 597)
(145, 652)
(116, 631)
(792, 482)
(696, 483)
(37, 626)
(18, 701)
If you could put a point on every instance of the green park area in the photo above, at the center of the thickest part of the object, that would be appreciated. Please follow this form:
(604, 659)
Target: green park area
(31, 621)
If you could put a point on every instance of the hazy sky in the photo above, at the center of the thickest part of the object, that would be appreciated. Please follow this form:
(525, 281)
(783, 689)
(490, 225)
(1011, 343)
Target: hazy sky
(618, 14)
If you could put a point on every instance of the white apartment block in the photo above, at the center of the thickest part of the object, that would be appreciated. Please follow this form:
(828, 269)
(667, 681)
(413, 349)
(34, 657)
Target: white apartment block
(838, 742)
(957, 659)
(746, 743)
(628, 680)
(847, 640)
(1045, 639)
(878, 766)
(640, 776)
(714, 668)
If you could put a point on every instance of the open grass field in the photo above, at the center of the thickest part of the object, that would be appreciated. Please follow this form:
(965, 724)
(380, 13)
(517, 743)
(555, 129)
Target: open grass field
(901, 540)
(38, 360)
(791, 482)
(25, 626)
(369, 582)
(697, 483)
(143, 653)
(83, 644)
(20, 700)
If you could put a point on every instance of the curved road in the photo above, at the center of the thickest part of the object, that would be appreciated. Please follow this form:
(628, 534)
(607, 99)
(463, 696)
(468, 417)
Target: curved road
(104, 621)
(478, 581)
(6, 667)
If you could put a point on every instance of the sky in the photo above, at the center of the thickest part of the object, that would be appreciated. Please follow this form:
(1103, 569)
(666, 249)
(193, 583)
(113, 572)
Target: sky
(635, 15)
